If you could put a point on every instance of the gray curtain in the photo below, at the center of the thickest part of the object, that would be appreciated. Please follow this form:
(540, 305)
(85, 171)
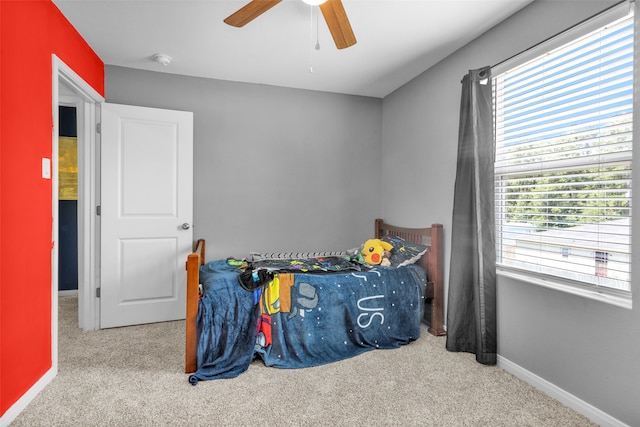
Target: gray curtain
(471, 309)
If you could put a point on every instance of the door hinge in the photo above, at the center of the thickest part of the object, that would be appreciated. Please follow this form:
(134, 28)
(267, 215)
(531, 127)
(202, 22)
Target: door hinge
(98, 210)
(98, 127)
(98, 292)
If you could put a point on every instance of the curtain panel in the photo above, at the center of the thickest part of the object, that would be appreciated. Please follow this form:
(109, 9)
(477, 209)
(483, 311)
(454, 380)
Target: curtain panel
(471, 309)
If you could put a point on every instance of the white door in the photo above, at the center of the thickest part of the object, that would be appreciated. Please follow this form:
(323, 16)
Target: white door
(146, 214)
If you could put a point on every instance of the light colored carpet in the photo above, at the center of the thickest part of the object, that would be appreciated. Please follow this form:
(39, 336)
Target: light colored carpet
(133, 377)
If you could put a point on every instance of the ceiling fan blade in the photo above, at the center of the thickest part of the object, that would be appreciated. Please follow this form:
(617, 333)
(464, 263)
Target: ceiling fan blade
(249, 12)
(338, 23)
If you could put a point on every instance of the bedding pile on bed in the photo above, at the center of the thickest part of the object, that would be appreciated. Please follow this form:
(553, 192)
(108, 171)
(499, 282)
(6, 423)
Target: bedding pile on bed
(329, 310)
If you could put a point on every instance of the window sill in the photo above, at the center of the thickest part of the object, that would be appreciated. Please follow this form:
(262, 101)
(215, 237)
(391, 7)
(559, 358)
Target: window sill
(619, 300)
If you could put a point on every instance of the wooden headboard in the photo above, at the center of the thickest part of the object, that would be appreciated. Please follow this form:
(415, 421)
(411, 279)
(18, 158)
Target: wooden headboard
(432, 262)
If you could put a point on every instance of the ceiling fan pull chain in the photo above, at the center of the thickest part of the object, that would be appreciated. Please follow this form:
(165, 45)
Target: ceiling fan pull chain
(317, 31)
(311, 37)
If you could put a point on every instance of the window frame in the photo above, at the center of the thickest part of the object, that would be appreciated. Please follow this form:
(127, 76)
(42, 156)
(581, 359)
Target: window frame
(621, 298)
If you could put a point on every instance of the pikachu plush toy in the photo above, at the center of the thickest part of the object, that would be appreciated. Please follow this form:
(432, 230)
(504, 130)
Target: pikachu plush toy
(377, 252)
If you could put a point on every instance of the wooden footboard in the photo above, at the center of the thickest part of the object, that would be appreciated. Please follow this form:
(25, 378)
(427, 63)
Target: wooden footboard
(194, 261)
(432, 262)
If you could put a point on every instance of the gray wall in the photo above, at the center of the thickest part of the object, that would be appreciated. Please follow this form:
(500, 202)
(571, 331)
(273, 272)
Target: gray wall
(275, 169)
(589, 349)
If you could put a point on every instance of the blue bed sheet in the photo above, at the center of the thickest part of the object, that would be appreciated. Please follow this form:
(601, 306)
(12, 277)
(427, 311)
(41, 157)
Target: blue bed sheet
(304, 319)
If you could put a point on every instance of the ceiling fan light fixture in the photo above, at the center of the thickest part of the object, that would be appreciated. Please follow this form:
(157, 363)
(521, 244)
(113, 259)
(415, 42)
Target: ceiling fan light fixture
(332, 10)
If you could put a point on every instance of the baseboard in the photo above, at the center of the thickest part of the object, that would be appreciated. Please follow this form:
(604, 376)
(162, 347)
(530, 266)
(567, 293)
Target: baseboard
(580, 406)
(26, 398)
(68, 293)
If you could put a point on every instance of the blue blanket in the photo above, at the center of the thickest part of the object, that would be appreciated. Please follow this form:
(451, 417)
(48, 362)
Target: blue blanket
(304, 319)
(226, 324)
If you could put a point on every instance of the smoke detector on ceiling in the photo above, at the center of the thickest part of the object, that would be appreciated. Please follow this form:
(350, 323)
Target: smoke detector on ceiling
(162, 59)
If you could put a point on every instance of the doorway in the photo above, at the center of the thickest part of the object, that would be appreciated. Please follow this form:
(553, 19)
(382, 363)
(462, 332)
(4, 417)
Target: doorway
(67, 200)
(72, 249)
(69, 90)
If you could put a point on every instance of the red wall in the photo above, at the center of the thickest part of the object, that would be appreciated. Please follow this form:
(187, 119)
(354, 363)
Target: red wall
(30, 32)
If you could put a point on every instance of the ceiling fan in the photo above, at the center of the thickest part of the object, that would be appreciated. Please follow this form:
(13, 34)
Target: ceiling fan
(332, 10)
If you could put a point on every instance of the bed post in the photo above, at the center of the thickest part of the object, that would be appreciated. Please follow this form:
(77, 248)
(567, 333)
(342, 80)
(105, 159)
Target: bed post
(436, 261)
(378, 226)
(194, 261)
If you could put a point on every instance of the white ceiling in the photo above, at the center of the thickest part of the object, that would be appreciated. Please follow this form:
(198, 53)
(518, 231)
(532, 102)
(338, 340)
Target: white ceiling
(397, 39)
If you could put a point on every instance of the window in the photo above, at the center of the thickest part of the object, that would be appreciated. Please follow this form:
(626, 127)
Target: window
(564, 136)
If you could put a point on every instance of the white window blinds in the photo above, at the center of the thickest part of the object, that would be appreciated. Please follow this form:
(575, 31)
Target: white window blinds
(563, 128)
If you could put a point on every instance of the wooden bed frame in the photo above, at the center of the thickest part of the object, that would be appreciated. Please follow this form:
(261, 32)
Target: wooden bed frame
(432, 262)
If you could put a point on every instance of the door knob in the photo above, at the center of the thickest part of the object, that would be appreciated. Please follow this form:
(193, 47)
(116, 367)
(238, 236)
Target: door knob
(186, 226)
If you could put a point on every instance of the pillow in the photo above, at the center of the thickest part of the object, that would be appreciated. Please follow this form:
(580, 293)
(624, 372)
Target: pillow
(404, 252)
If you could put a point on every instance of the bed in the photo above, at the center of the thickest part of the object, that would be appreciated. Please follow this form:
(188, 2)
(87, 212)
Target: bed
(307, 311)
